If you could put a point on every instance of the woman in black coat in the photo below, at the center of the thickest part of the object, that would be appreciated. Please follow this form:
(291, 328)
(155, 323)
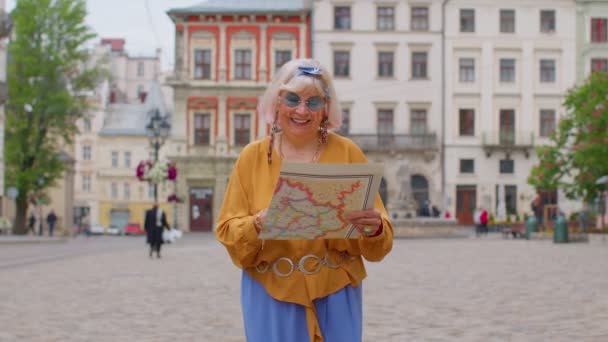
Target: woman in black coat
(155, 222)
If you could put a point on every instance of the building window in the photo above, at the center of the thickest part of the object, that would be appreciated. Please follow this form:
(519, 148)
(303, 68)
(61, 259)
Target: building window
(547, 21)
(342, 18)
(599, 29)
(506, 134)
(114, 190)
(507, 70)
(341, 63)
(385, 126)
(86, 183)
(599, 65)
(345, 127)
(114, 159)
(386, 18)
(281, 57)
(510, 198)
(467, 20)
(86, 152)
(86, 124)
(419, 63)
(150, 190)
(547, 122)
(467, 122)
(127, 191)
(385, 64)
(547, 70)
(418, 122)
(507, 21)
(242, 129)
(467, 165)
(420, 19)
(127, 156)
(140, 69)
(202, 128)
(202, 64)
(506, 166)
(467, 70)
(242, 64)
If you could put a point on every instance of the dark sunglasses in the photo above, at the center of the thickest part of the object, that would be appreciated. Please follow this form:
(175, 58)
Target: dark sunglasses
(314, 103)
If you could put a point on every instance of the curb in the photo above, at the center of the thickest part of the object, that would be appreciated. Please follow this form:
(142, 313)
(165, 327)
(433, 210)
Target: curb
(30, 240)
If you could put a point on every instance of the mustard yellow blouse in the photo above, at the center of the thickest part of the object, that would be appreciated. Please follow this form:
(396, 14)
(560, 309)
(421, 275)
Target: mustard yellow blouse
(250, 190)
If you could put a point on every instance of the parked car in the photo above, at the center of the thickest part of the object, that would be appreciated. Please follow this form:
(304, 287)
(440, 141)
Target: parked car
(96, 229)
(133, 229)
(114, 230)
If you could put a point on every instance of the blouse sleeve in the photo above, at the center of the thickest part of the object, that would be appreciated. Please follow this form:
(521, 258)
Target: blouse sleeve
(377, 247)
(235, 228)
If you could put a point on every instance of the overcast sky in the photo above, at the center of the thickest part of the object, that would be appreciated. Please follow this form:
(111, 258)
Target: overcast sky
(143, 23)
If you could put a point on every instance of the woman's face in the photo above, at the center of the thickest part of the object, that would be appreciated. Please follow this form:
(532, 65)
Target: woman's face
(301, 113)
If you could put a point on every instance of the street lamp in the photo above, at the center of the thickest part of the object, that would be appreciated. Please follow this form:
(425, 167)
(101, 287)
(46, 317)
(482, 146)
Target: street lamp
(157, 131)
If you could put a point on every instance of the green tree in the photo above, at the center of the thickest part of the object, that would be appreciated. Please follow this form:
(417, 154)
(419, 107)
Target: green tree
(578, 153)
(49, 75)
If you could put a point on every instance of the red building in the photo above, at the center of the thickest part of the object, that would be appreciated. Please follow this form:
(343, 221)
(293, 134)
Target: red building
(226, 51)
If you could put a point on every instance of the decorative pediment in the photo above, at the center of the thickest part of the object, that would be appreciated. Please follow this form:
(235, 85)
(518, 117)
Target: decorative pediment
(243, 35)
(202, 103)
(202, 35)
(283, 36)
(242, 104)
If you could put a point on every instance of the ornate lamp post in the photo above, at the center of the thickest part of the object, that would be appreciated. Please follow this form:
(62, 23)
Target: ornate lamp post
(157, 131)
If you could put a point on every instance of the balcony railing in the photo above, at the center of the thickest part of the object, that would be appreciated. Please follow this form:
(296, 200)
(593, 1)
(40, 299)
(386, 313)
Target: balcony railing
(508, 141)
(395, 142)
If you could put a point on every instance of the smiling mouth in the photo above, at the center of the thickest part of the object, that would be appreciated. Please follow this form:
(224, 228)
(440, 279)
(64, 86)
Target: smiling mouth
(300, 122)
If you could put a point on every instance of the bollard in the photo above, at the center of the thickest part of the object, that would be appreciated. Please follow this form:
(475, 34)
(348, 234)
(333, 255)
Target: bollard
(560, 230)
(531, 226)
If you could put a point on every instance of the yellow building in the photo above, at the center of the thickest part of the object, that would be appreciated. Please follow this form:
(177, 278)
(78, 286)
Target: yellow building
(122, 144)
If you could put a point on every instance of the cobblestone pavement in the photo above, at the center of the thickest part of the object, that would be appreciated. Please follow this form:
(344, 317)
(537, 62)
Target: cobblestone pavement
(486, 289)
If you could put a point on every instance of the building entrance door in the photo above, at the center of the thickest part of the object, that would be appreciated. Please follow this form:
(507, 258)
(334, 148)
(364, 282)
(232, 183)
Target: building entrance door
(201, 209)
(466, 198)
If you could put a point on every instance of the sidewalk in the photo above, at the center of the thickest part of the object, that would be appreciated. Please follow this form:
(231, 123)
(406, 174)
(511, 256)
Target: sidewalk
(16, 239)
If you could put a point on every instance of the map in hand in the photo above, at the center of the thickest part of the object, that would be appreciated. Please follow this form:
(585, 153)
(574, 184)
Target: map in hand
(310, 201)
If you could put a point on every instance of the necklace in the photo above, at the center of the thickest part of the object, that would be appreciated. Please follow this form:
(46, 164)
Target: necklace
(315, 157)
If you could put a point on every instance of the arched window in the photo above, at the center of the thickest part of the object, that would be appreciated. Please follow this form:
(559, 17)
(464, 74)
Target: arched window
(420, 190)
(383, 191)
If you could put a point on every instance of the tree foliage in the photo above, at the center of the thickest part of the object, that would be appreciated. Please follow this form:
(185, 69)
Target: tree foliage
(49, 76)
(578, 153)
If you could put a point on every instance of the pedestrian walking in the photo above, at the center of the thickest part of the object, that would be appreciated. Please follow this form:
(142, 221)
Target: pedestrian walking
(537, 209)
(154, 223)
(31, 223)
(308, 303)
(477, 221)
(483, 221)
(51, 219)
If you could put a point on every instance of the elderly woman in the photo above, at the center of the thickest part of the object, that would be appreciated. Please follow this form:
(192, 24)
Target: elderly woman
(317, 303)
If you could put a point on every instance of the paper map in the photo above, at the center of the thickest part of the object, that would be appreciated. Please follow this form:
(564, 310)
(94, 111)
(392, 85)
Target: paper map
(311, 200)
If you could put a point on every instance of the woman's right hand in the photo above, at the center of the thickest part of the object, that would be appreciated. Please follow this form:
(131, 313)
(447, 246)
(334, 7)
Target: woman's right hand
(259, 219)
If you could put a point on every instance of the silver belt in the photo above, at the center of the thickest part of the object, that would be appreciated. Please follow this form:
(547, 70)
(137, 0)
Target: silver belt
(299, 265)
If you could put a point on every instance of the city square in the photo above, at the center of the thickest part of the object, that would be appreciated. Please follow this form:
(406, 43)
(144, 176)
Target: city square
(460, 289)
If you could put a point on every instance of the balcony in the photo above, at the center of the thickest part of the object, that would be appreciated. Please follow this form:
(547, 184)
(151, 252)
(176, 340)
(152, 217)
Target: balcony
(508, 142)
(396, 142)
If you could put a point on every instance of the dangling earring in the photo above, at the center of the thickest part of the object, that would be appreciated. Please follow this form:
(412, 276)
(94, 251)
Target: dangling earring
(323, 130)
(273, 131)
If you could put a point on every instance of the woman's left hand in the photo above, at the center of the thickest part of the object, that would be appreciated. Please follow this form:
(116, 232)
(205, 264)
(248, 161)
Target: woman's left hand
(368, 222)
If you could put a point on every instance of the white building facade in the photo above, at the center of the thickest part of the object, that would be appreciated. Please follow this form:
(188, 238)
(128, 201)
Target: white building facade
(592, 37)
(385, 57)
(508, 67)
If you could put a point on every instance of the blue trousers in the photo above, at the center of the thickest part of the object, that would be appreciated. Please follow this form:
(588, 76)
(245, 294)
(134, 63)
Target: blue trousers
(269, 320)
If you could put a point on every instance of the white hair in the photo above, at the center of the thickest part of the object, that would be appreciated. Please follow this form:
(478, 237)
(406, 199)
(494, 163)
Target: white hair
(288, 78)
